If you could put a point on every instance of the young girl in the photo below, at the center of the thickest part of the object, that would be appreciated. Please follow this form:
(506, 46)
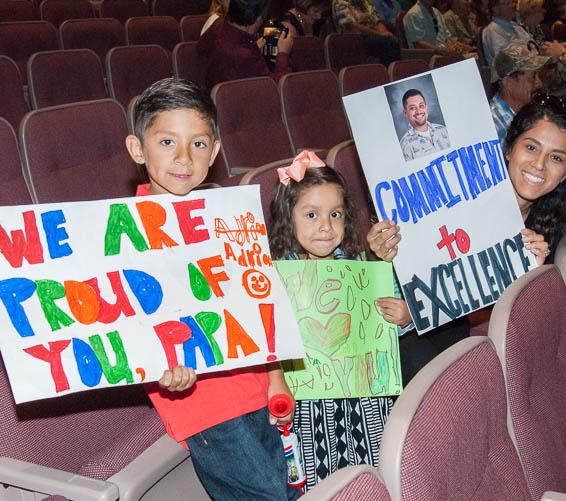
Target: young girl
(312, 217)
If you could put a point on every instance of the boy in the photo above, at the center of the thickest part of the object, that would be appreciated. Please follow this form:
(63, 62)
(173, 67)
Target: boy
(222, 417)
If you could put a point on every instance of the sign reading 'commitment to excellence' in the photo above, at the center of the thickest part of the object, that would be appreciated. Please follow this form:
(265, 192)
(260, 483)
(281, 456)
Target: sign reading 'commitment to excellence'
(434, 165)
(94, 294)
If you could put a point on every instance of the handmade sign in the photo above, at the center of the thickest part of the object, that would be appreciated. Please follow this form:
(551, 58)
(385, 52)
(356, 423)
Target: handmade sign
(434, 165)
(113, 292)
(351, 351)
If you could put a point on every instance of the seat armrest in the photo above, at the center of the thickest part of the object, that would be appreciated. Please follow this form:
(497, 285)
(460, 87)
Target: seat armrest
(149, 467)
(553, 496)
(50, 481)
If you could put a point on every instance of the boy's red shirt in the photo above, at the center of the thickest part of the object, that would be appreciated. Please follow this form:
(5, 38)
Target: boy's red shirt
(215, 398)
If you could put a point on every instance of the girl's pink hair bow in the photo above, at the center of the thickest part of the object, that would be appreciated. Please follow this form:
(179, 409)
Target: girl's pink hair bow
(303, 161)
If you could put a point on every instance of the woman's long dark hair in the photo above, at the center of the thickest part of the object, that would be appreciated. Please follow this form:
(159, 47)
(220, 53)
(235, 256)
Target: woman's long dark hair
(282, 240)
(547, 215)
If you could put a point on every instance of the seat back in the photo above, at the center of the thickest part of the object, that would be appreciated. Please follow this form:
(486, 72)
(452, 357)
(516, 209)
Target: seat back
(19, 40)
(406, 68)
(13, 105)
(559, 32)
(130, 70)
(361, 77)
(86, 159)
(347, 484)
(185, 61)
(255, 103)
(18, 10)
(99, 35)
(438, 61)
(400, 29)
(447, 433)
(191, 26)
(65, 76)
(313, 110)
(268, 179)
(307, 54)
(528, 327)
(344, 158)
(13, 188)
(122, 10)
(93, 433)
(158, 30)
(344, 49)
(57, 11)
(178, 8)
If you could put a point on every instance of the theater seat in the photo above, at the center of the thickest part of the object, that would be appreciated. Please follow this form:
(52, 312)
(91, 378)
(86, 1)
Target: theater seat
(446, 436)
(13, 188)
(13, 105)
(85, 159)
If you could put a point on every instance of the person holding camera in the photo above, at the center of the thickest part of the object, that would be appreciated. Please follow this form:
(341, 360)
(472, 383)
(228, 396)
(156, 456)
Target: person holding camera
(229, 49)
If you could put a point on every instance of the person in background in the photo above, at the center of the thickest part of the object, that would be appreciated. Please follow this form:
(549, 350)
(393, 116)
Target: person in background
(229, 49)
(387, 10)
(425, 29)
(531, 13)
(304, 16)
(359, 16)
(460, 23)
(515, 72)
(480, 13)
(217, 8)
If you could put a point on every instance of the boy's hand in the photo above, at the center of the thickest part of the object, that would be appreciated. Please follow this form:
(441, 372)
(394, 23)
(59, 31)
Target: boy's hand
(285, 43)
(179, 378)
(394, 310)
(276, 387)
(536, 244)
(261, 43)
(383, 238)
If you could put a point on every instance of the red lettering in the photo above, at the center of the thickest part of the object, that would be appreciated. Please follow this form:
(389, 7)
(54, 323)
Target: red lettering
(171, 333)
(107, 312)
(20, 246)
(187, 224)
(53, 357)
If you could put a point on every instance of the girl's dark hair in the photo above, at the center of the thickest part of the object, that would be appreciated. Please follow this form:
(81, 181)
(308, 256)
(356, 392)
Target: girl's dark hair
(547, 215)
(282, 232)
(304, 5)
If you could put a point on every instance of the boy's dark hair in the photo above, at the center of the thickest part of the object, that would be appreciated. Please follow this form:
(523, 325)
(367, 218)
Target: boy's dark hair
(547, 215)
(282, 239)
(304, 5)
(246, 12)
(411, 93)
(171, 94)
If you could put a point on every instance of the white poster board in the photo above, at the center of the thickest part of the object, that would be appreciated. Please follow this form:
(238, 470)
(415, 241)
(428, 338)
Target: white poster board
(112, 292)
(459, 218)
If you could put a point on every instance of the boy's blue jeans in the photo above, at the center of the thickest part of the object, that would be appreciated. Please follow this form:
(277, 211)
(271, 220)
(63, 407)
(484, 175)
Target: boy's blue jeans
(242, 459)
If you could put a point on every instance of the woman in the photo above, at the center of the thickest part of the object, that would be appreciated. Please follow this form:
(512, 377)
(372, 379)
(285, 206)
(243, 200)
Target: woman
(536, 163)
(536, 160)
(531, 13)
(304, 16)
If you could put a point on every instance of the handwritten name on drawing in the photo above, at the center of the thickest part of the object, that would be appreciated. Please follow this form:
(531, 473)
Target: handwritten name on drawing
(134, 292)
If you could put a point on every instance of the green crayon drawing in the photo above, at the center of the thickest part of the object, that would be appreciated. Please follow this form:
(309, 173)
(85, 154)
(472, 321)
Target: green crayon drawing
(351, 350)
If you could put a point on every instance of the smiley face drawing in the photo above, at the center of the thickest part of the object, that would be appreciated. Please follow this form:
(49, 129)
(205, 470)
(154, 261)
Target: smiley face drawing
(256, 283)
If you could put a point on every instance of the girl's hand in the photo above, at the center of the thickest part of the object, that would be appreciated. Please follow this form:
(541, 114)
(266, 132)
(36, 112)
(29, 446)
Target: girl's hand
(536, 244)
(179, 378)
(394, 310)
(383, 238)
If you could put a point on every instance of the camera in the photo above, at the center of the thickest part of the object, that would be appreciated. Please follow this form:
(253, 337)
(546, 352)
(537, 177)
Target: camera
(271, 33)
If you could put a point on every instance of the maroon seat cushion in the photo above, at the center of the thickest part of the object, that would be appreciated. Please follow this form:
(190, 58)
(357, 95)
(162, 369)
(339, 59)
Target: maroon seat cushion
(13, 105)
(458, 439)
(158, 30)
(366, 487)
(536, 379)
(13, 188)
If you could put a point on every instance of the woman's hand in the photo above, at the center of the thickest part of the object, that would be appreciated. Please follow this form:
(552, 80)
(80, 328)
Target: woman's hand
(383, 238)
(536, 244)
(179, 378)
(394, 310)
